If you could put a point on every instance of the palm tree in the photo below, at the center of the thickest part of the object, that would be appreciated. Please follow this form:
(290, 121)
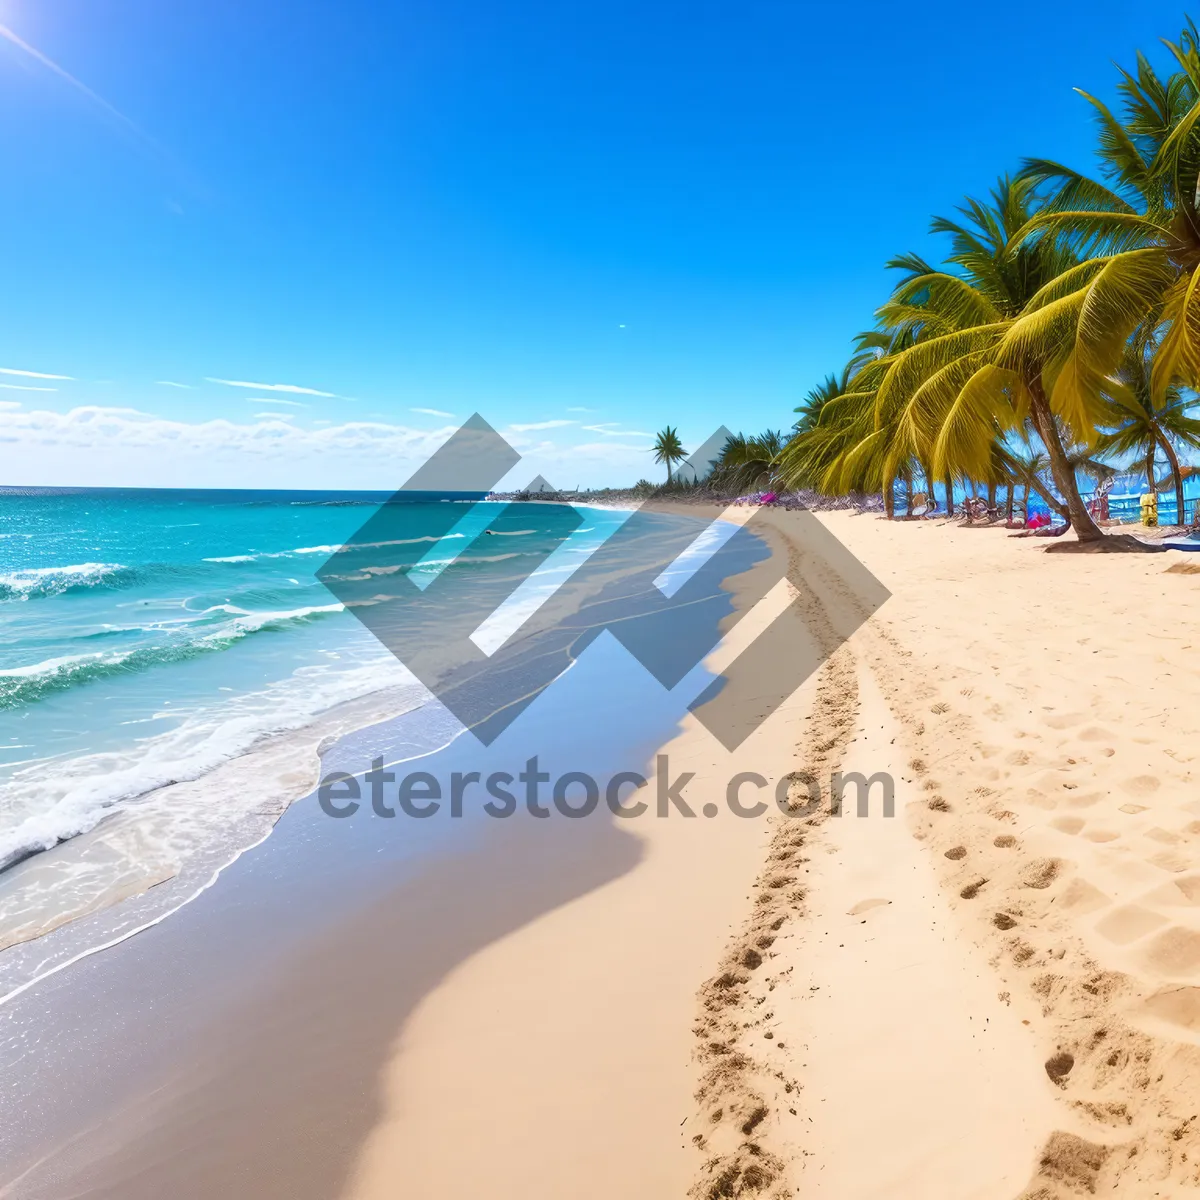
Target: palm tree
(1013, 341)
(668, 449)
(979, 349)
(1142, 222)
(833, 386)
(836, 446)
(1027, 326)
(1140, 422)
(748, 462)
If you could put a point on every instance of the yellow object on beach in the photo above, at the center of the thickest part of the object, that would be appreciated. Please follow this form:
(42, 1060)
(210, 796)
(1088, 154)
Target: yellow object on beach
(1150, 509)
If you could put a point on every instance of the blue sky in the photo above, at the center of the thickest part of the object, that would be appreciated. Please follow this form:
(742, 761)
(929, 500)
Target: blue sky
(560, 215)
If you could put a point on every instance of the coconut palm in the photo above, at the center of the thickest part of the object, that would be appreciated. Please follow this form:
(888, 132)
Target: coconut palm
(1034, 467)
(748, 462)
(1140, 422)
(980, 348)
(1141, 220)
(869, 346)
(668, 449)
(841, 452)
(1025, 330)
(1008, 336)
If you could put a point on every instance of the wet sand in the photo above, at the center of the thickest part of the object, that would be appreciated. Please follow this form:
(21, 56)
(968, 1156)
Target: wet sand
(234, 1048)
(987, 995)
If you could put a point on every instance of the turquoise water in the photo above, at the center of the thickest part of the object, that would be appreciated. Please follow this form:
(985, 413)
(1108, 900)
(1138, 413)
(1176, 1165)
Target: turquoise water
(146, 637)
(170, 662)
(171, 669)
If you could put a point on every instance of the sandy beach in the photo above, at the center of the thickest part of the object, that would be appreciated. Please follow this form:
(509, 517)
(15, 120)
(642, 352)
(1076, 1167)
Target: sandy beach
(532, 668)
(995, 991)
(995, 988)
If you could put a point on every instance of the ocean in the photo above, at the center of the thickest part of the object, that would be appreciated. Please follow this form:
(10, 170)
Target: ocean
(174, 675)
(168, 663)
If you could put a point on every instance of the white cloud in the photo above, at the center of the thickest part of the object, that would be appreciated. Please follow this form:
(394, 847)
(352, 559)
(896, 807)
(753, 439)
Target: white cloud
(93, 446)
(272, 400)
(613, 429)
(541, 425)
(582, 410)
(432, 412)
(32, 374)
(97, 446)
(25, 387)
(172, 383)
(6, 404)
(609, 449)
(272, 387)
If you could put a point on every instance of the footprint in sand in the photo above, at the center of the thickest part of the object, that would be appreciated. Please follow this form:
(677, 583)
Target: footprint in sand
(1095, 733)
(1070, 825)
(1169, 860)
(1039, 799)
(1174, 953)
(1141, 785)
(1082, 897)
(1165, 836)
(866, 905)
(1128, 923)
(1065, 720)
(1189, 888)
(1179, 893)
(1178, 1008)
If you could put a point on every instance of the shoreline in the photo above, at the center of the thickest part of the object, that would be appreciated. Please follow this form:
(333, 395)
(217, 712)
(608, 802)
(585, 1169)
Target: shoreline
(130, 904)
(669, 1007)
(248, 965)
(1004, 1022)
(121, 908)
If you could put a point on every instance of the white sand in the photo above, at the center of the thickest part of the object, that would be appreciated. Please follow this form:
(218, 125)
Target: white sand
(1023, 1017)
(557, 1062)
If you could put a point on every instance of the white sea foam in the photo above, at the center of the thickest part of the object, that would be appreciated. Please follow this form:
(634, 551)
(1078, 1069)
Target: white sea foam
(42, 807)
(49, 581)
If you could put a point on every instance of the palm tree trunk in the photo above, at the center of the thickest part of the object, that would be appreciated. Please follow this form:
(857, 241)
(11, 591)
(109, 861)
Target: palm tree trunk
(889, 498)
(949, 496)
(991, 500)
(1008, 506)
(1075, 511)
(1177, 475)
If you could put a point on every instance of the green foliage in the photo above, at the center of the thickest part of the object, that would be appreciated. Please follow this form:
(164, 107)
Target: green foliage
(747, 463)
(1065, 318)
(668, 449)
